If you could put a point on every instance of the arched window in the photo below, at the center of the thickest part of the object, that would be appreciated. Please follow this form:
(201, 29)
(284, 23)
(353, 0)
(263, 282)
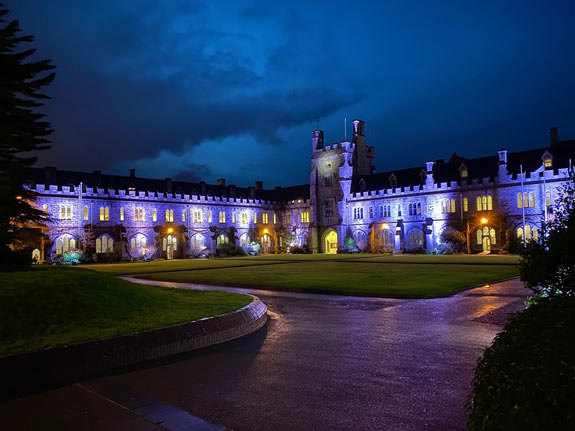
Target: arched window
(221, 239)
(519, 200)
(465, 204)
(85, 213)
(104, 244)
(154, 214)
(122, 214)
(520, 233)
(222, 216)
(493, 236)
(479, 234)
(65, 243)
(169, 240)
(548, 198)
(245, 240)
(45, 208)
(169, 216)
(527, 232)
(531, 199)
(139, 214)
(479, 203)
(489, 203)
(198, 242)
(104, 213)
(535, 234)
(183, 216)
(244, 218)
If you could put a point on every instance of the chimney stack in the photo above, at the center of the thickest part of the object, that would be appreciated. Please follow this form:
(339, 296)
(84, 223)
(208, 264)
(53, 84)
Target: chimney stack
(317, 140)
(97, 178)
(259, 185)
(168, 185)
(202, 188)
(221, 181)
(50, 173)
(132, 173)
(502, 157)
(232, 190)
(554, 135)
(252, 192)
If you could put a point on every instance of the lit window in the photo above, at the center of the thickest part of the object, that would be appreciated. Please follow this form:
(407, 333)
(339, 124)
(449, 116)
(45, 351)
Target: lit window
(139, 214)
(169, 216)
(265, 218)
(519, 200)
(122, 214)
(275, 218)
(255, 218)
(478, 203)
(464, 173)
(548, 162)
(479, 237)
(233, 217)
(465, 204)
(493, 236)
(104, 244)
(531, 199)
(65, 212)
(244, 218)
(85, 213)
(304, 215)
(209, 216)
(184, 216)
(222, 217)
(489, 203)
(65, 244)
(222, 239)
(154, 214)
(548, 198)
(45, 208)
(104, 214)
(197, 216)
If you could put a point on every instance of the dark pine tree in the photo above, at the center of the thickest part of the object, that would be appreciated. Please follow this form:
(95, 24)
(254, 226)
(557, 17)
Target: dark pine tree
(23, 131)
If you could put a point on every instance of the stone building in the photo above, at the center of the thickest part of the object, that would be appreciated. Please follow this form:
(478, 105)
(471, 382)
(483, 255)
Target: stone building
(346, 206)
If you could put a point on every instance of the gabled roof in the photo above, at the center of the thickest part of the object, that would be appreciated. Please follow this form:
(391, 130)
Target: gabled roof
(52, 176)
(478, 167)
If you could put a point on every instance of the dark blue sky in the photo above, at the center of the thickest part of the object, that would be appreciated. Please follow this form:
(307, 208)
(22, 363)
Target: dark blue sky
(185, 89)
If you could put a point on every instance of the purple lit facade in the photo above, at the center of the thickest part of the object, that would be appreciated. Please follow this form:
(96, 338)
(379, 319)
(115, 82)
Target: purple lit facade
(345, 206)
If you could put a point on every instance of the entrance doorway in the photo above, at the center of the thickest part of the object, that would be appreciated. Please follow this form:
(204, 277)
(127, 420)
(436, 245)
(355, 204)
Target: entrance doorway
(170, 251)
(330, 242)
(486, 245)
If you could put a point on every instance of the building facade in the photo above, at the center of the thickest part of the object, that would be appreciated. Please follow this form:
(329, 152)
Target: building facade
(346, 206)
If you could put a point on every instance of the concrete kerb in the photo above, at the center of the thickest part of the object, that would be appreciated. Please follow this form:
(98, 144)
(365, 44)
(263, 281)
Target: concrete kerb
(70, 362)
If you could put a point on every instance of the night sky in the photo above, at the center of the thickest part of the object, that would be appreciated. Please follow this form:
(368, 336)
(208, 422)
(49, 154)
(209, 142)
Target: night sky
(233, 89)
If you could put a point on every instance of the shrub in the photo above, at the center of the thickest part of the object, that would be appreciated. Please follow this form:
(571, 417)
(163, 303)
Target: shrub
(304, 249)
(228, 249)
(453, 239)
(526, 378)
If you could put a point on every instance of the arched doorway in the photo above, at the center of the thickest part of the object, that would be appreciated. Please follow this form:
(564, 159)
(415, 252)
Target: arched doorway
(170, 245)
(266, 242)
(36, 256)
(330, 242)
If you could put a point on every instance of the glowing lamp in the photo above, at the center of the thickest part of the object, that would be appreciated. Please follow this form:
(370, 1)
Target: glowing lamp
(170, 230)
(484, 220)
(265, 231)
(19, 198)
(384, 226)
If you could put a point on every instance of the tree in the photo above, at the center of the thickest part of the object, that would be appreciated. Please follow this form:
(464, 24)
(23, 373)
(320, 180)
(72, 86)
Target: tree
(548, 266)
(455, 239)
(22, 130)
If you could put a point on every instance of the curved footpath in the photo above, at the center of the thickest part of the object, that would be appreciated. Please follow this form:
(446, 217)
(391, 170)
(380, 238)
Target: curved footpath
(22, 372)
(322, 362)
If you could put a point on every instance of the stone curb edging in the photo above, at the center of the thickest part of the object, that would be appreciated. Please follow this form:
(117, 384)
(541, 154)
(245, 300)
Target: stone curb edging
(73, 361)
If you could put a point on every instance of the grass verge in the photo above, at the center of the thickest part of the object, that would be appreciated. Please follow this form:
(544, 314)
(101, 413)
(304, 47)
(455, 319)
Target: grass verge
(54, 306)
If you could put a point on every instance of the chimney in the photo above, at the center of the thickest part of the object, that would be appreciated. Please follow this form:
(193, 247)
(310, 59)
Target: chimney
(168, 185)
(132, 173)
(317, 140)
(502, 157)
(97, 178)
(554, 135)
(429, 167)
(221, 181)
(202, 188)
(232, 190)
(429, 173)
(252, 192)
(358, 128)
(259, 185)
(50, 173)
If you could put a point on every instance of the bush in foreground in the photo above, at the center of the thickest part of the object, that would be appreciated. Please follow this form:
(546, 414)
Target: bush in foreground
(526, 378)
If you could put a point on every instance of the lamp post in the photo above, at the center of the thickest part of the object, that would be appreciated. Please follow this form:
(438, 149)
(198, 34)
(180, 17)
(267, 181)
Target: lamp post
(482, 222)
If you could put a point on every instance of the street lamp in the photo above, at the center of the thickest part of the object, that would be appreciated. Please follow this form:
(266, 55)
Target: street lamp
(484, 220)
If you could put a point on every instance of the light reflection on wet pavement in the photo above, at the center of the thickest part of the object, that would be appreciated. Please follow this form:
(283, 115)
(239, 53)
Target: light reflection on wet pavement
(334, 363)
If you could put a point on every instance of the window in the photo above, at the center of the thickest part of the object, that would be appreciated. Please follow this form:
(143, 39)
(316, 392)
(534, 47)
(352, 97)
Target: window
(122, 214)
(528, 200)
(392, 181)
(275, 218)
(448, 206)
(245, 240)
(414, 208)
(209, 216)
(65, 212)
(358, 213)
(184, 216)
(415, 238)
(493, 236)
(548, 198)
(465, 204)
(370, 212)
(169, 240)
(304, 217)
(86, 214)
(399, 210)
(464, 173)
(221, 239)
(484, 203)
(548, 162)
(138, 241)
(519, 202)
(328, 208)
(104, 244)
(154, 214)
(197, 216)
(104, 214)
(45, 209)
(531, 233)
(244, 218)
(222, 216)
(139, 214)
(169, 216)
(479, 237)
(255, 218)
(288, 219)
(65, 244)
(198, 242)
(265, 218)
(531, 199)
(387, 210)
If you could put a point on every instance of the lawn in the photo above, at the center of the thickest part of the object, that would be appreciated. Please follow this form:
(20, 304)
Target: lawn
(54, 306)
(398, 276)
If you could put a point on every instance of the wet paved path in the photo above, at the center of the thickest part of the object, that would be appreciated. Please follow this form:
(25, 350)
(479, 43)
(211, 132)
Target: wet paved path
(322, 363)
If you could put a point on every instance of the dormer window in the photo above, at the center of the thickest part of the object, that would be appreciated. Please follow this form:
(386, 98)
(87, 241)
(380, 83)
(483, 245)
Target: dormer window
(463, 172)
(547, 160)
(393, 181)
